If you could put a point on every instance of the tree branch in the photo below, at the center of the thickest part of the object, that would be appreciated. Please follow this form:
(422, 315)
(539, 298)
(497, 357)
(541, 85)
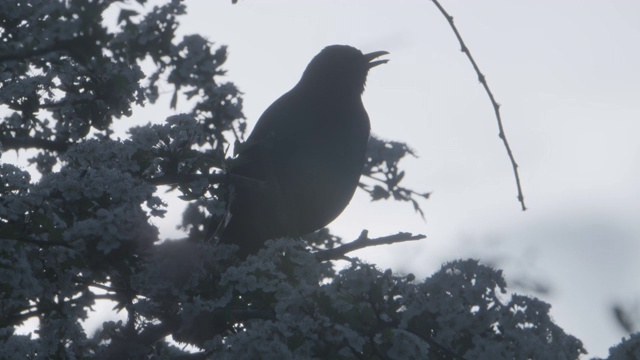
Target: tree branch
(185, 178)
(496, 106)
(15, 143)
(363, 241)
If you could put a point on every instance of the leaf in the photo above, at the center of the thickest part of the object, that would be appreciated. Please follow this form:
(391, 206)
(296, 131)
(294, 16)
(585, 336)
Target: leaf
(378, 193)
(125, 14)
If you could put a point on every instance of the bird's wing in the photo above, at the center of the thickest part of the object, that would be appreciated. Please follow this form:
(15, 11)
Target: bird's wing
(275, 133)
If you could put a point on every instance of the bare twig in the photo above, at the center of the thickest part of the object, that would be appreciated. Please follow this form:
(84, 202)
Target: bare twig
(496, 106)
(363, 241)
(88, 282)
(182, 178)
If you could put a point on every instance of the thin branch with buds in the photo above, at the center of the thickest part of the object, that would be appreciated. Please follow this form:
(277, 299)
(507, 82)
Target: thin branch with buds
(496, 106)
(363, 241)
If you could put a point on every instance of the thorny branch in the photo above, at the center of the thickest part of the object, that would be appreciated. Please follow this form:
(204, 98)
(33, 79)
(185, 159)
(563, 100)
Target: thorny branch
(496, 106)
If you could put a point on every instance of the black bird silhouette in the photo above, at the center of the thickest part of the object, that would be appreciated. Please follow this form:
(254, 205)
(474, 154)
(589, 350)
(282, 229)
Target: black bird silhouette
(301, 164)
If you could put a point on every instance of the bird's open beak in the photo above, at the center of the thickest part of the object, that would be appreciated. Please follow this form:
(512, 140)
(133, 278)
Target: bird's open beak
(373, 55)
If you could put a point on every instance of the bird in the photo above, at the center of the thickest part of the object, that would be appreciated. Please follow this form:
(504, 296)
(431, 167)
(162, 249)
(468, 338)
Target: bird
(301, 164)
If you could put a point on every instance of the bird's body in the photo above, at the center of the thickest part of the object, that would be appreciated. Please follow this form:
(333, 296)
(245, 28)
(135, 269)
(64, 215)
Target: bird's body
(300, 166)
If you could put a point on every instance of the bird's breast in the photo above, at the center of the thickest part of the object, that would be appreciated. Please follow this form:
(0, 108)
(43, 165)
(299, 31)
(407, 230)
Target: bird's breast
(327, 163)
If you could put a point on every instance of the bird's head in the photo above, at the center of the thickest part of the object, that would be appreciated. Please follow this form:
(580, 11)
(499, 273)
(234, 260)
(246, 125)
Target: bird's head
(341, 68)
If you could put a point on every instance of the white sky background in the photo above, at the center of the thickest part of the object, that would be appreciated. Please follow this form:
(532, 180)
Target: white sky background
(566, 74)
